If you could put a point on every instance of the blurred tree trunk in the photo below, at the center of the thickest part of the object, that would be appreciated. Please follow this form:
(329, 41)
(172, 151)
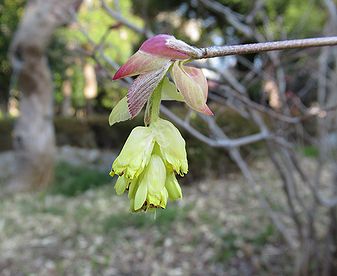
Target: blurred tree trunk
(34, 140)
(90, 87)
(66, 108)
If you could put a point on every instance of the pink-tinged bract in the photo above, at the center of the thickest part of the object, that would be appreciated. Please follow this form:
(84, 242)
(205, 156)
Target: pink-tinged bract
(140, 63)
(157, 45)
(192, 84)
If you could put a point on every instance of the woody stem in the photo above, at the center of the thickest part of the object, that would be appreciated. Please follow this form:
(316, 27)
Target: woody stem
(219, 51)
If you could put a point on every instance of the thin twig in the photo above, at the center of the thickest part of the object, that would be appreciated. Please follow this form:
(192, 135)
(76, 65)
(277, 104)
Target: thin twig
(225, 143)
(220, 51)
(118, 17)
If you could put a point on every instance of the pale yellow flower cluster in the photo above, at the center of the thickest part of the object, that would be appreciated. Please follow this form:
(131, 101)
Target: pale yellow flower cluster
(147, 165)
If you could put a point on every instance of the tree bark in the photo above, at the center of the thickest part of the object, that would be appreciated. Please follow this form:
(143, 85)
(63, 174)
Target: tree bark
(90, 87)
(34, 139)
(66, 108)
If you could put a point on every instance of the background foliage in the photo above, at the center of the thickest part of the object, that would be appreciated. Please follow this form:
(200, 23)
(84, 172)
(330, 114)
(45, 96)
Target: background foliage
(221, 226)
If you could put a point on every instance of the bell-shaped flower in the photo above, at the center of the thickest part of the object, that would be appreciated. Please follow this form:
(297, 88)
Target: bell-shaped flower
(151, 62)
(171, 144)
(135, 154)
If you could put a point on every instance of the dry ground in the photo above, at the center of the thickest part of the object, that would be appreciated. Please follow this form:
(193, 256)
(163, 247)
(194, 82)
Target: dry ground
(217, 229)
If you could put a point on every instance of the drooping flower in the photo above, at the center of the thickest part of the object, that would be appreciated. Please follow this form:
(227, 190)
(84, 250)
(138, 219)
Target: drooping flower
(147, 165)
(135, 154)
(151, 63)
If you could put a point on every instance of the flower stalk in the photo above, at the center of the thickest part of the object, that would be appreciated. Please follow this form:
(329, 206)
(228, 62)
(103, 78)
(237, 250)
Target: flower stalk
(155, 103)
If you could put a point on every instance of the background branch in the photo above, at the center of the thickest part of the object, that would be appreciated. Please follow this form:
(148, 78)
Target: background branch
(219, 51)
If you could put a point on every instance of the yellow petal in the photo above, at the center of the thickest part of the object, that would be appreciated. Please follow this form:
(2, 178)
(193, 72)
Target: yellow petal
(133, 188)
(121, 185)
(132, 204)
(172, 145)
(164, 196)
(155, 175)
(173, 187)
(135, 154)
(140, 196)
(153, 178)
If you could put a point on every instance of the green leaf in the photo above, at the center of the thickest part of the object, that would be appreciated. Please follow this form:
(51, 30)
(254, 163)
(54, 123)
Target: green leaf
(120, 112)
(170, 92)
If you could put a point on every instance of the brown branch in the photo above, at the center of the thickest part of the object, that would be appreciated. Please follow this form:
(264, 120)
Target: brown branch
(220, 51)
(225, 143)
(232, 17)
(118, 17)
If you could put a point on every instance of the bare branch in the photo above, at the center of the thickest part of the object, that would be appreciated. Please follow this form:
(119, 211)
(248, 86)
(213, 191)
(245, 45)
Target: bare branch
(232, 17)
(220, 51)
(118, 17)
(236, 156)
(226, 143)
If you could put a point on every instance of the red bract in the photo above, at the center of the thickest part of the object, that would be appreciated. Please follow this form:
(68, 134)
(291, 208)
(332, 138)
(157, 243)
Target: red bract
(152, 61)
(140, 63)
(158, 45)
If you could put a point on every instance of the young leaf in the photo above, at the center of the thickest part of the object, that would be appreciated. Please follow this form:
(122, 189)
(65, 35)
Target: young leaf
(120, 112)
(142, 88)
(170, 92)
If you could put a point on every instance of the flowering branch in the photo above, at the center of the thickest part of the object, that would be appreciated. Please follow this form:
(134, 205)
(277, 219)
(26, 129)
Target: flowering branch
(155, 153)
(219, 51)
